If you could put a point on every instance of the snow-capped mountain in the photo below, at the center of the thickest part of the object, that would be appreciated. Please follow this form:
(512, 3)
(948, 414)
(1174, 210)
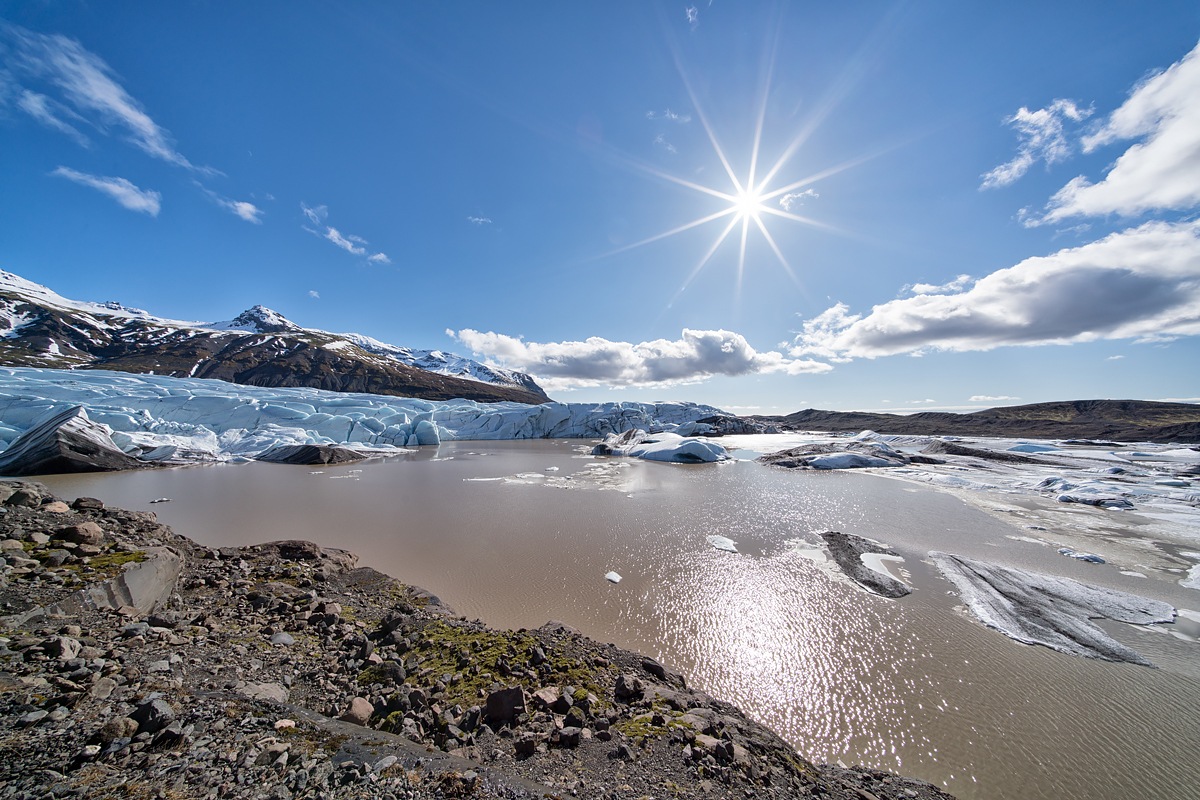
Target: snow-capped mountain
(40, 328)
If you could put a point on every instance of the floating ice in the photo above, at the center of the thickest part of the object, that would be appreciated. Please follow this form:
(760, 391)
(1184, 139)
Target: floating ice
(612, 577)
(1043, 609)
(723, 543)
(161, 500)
(1090, 558)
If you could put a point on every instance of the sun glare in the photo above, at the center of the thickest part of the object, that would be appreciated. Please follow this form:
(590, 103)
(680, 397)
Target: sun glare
(750, 199)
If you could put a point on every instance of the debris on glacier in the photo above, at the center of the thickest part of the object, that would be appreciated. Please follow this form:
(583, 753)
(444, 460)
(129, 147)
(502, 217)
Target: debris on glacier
(1090, 558)
(850, 553)
(1034, 608)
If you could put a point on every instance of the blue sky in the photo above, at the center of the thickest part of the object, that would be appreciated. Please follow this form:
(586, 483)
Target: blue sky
(491, 179)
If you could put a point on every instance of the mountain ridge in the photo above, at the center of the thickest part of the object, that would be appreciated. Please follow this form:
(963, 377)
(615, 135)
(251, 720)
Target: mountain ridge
(1117, 420)
(260, 347)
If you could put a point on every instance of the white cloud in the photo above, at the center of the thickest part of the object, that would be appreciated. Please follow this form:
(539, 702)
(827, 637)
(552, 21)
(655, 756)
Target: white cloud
(955, 285)
(662, 140)
(479, 220)
(316, 215)
(788, 201)
(599, 362)
(355, 245)
(1142, 283)
(47, 112)
(919, 402)
(332, 235)
(668, 114)
(119, 189)
(88, 84)
(1160, 172)
(247, 211)
(693, 16)
(313, 293)
(1042, 137)
(1114, 358)
(984, 398)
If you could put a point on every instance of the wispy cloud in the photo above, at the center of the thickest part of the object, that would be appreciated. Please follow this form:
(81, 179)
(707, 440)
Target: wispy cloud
(662, 141)
(793, 199)
(693, 16)
(986, 398)
(697, 355)
(1141, 284)
(1041, 138)
(355, 245)
(119, 189)
(86, 83)
(479, 220)
(50, 113)
(1114, 358)
(920, 402)
(247, 211)
(313, 293)
(956, 285)
(1159, 172)
(668, 114)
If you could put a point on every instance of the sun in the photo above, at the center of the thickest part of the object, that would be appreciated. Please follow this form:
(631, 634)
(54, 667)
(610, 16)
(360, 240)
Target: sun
(751, 199)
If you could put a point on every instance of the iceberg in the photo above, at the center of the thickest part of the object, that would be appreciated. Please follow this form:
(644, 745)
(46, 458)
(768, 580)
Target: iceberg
(723, 543)
(665, 446)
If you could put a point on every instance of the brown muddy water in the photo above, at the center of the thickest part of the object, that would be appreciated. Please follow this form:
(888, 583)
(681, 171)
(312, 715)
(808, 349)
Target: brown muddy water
(517, 533)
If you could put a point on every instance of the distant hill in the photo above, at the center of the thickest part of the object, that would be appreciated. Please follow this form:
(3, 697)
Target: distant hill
(259, 347)
(1116, 420)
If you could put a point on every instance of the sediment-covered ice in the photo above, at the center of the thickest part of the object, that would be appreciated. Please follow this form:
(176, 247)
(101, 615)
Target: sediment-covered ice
(184, 419)
(1043, 609)
(664, 446)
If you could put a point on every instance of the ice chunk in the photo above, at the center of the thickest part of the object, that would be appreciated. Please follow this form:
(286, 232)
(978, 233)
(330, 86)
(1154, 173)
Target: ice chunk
(1044, 609)
(723, 543)
(1091, 558)
(612, 577)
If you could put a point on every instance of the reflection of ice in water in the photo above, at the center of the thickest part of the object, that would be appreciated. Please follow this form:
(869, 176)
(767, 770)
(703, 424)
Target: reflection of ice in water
(723, 543)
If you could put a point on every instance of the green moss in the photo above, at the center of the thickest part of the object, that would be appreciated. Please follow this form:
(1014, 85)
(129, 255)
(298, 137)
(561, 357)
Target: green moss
(372, 674)
(108, 565)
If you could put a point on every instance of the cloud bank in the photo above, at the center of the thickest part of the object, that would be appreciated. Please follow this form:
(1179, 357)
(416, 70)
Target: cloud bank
(119, 189)
(1142, 283)
(697, 355)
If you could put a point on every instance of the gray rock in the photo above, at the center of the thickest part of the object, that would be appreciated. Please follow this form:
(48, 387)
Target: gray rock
(55, 558)
(84, 533)
(153, 715)
(64, 648)
(32, 718)
(265, 691)
(569, 736)
(505, 704)
(282, 639)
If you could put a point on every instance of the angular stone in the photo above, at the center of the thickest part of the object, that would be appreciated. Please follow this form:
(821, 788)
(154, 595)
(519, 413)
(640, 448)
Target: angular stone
(544, 698)
(84, 533)
(505, 704)
(569, 736)
(153, 715)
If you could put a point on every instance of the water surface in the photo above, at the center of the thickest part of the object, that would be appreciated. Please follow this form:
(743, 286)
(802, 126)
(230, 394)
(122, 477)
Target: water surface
(913, 685)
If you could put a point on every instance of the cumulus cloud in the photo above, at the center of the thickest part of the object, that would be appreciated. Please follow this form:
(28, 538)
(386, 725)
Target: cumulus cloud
(87, 84)
(792, 199)
(355, 245)
(985, 398)
(1041, 138)
(1160, 172)
(697, 355)
(119, 189)
(1142, 283)
(955, 285)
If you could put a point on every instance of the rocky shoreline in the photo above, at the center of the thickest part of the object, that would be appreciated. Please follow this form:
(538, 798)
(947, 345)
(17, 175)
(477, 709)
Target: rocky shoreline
(134, 662)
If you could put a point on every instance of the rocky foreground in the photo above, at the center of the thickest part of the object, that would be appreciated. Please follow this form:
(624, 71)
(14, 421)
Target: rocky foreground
(136, 663)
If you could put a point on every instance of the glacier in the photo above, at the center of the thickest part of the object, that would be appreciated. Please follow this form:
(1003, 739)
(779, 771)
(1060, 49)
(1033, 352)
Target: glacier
(174, 420)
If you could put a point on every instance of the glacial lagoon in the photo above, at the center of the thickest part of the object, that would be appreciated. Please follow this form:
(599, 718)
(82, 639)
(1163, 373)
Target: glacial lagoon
(519, 532)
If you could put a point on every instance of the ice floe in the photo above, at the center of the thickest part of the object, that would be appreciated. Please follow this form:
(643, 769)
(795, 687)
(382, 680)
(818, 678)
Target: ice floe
(723, 543)
(1034, 608)
(612, 577)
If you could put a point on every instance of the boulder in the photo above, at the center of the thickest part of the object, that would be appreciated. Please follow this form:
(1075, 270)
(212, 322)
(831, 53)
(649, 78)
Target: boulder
(359, 712)
(310, 454)
(505, 705)
(84, 533)
(66, 441)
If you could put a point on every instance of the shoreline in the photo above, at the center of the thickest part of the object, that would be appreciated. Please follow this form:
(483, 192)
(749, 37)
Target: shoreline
(249, 636)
